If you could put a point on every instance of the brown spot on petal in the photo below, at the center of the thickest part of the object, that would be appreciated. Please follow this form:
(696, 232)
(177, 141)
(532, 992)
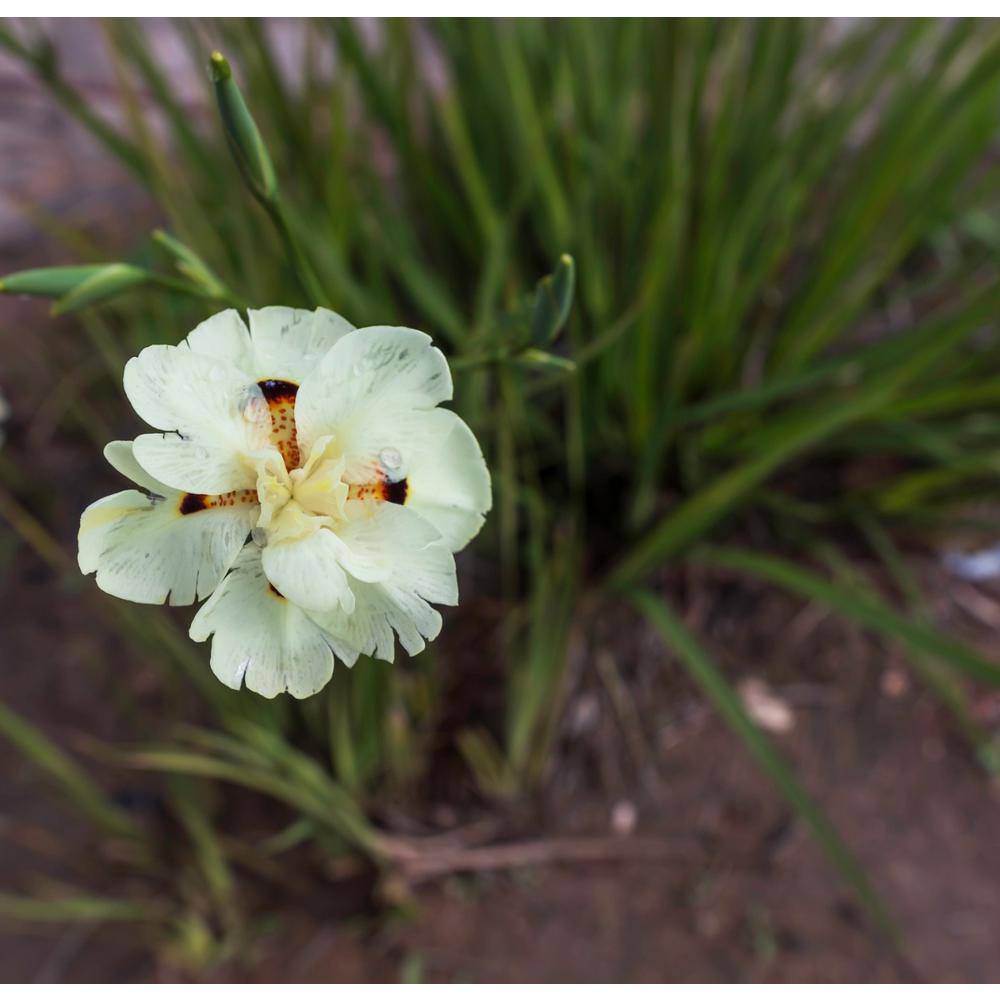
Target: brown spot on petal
(275, 389)
(280, 397)
(381, 489)
(191, 503)
(397, 492)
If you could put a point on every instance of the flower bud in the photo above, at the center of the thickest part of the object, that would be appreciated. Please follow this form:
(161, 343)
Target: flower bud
(74, 285)
(108, 281)
(190, 264)
(535, 358)
(553, 298)
(245, 141)
(51, 282)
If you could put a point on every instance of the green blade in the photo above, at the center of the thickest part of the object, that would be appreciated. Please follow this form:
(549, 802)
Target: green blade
(865, 610)
(74, 909)
(721, 694)
(78, 787)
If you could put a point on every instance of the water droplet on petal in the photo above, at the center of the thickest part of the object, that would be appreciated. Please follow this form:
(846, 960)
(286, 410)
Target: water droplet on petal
(254, 407)
(391, 460)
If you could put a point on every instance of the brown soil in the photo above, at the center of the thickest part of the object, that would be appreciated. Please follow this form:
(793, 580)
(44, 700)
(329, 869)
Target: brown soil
(741, 892)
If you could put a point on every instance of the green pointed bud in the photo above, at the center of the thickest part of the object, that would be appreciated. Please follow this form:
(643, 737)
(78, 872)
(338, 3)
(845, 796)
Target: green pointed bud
(190, 264)
(535, 358)
(108, 282)
(50, 282)
(553, 298)
(245, 141)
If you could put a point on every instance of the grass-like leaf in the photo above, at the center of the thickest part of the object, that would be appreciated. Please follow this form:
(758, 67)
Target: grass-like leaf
(720, 693)
(862, 608)
(71, 779)
(72, 909)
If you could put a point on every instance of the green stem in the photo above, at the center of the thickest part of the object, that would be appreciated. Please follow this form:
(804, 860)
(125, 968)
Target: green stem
(300, 263)
(476, 361)
(31, 530)
(189, 288)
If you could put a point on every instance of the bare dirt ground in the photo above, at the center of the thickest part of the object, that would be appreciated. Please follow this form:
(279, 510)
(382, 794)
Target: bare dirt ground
(740, 893)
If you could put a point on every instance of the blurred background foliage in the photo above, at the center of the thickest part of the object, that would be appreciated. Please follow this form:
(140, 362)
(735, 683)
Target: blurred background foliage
(784, 242)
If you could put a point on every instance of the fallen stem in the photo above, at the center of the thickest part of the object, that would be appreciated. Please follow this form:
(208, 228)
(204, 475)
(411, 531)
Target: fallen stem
(417, 865)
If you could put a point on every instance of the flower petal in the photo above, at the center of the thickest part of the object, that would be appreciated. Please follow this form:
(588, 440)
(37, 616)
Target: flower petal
(217, 419)
(225, 337)
(398, 547)
(436, 464)
(448, 483)
(289, 343)
(367, 375)
(262, 639)
(420, 566)
(146, 549)
(308, 572)
(281, 343)
(379, 609)
(191, 465)
(121, 458)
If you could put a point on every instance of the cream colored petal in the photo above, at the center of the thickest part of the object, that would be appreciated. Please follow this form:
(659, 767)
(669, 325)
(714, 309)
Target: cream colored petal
(448, 483)
(145, 549)
(398, 547)
(289, 343)
(308, 571)
(368, 372)
(437, 458)
(379, 610)
(263, 640)
(215, 418)
(193, 466)
(121, 458)
(421, 568)
(225, 337)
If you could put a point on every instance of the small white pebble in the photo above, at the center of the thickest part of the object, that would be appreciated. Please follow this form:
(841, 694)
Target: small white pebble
(765, 707)
(624, 817)
(583, 714)
(894, 683)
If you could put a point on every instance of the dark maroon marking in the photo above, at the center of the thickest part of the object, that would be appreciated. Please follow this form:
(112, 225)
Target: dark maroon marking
(191, 503)
(274, 389)
(274, 590)
(396, 492)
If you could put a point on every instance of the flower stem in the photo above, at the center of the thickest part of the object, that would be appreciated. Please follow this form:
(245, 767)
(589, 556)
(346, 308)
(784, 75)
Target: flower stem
(197, 291)
(300, 263)
(31, 530)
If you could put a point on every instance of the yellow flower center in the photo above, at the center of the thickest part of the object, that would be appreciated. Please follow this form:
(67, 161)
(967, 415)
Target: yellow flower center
(295, 504)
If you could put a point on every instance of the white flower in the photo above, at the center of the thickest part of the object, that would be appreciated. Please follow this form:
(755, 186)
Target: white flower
(326, 446)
